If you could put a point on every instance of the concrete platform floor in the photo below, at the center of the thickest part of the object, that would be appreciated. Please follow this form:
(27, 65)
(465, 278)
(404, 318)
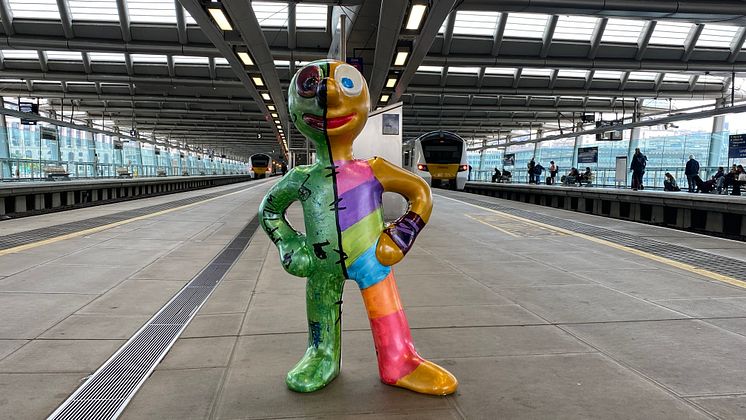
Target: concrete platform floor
(536, 324)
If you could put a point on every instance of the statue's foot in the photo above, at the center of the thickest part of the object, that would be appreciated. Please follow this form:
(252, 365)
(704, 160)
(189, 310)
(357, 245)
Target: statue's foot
(429, 378)
(314, 371)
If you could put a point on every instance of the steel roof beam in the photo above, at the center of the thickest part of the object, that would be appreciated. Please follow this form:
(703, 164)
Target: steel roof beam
(107, 45)
(517, 77)
(117, 78)
(43, 61)
(65, 18)
(736, 44)
(644, 39)
(598, 33)
(390, 21)
(516, 108)
(124, 20)
(691, 41)
(563, 92)
(10, 89)
(448, 35)
(546, 39)
(217, 115)
(292, 29)
(181, 27)
(6, 16)
(497, 37)
(351, 12)
(693, 82)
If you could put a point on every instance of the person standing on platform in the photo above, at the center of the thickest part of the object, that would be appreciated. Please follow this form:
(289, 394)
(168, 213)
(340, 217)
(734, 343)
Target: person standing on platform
(691, 170)
(531, 167)
(553, 169)
(639, 162)
(719, 179)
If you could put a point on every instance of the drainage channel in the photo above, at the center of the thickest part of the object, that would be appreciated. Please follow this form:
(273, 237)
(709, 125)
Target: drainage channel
(36, 235)
(707, 261)
(106, 393)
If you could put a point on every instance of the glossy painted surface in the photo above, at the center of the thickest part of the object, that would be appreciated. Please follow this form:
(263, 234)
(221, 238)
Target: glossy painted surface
(345, 234)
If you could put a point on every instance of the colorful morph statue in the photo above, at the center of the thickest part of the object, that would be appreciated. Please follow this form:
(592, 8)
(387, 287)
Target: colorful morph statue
(346, 237)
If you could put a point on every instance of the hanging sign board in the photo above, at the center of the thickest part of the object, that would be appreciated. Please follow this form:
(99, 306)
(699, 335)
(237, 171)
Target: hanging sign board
(29, 108)
(49, 133)
(614, 135)
(737, 146)
(587, 154)
(509, 159)
(620, 174)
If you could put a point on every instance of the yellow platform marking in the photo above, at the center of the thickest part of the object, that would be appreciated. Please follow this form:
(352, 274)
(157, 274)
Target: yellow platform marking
(510, 227)
(112, 225)
(492, 226)
(672, 263)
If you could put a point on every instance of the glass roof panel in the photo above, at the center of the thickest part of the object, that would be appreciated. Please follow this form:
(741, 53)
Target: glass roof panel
(148, 58)
(573, 73)
(282, 63)
(623, 30)
(107, 57)
(151, 11)
(37, 9)
(475, 23)
(21, 54)
(576, 28)
(189, 19)
(607, 74)
(64, 55)
(220, 61)
(429, 69)
(525, 25)
(536, 72)
(96, 10)
(467, 70)
(188, 59)
(676, 77)
(642, 75)
(500, 70)
(717, 36)
(311, 15)
(271, 14)
(670, 33)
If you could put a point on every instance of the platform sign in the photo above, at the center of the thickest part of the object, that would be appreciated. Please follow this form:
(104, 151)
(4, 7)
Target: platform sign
(737, 146)
(587, 154)
(356, 62)
(509, 159)
(29, 108)
(614, 135)
(620, 174)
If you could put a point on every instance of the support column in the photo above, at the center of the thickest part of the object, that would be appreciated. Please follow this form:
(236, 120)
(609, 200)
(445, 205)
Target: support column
(718, 138)
(6, 171)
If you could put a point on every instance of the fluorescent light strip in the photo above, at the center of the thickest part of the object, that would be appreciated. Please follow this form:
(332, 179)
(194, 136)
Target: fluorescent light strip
(415, 17)
(245, 58)
(401, 58)
(219, 17)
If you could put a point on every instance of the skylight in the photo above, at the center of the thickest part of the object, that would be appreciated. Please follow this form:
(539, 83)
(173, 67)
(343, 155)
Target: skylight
(717, 36)
(311, 15)
(148, 58)
(576, 28)
(282, 63)
(64, 56)
(270, 14)
(107, 57)
(220, 61)
(670, 33)
(500, 70)
(537, 72)
(622, 30)
(21, 54)
(525, 25)
(464, 70)
(188, 18)
(96, 10)
(607, 74)
(151, 11)
(429, 69)
(36, 9)
(676, 77)
(581, 74)
(475, 23)
(186, 59)
(642, 75)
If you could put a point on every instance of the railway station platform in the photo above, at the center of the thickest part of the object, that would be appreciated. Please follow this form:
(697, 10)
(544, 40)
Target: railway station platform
(540, 312)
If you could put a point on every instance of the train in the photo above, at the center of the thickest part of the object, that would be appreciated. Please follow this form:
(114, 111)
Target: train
(439, 157)
(260, 165)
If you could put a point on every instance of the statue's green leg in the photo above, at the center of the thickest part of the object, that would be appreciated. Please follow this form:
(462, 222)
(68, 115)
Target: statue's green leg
(320, 364)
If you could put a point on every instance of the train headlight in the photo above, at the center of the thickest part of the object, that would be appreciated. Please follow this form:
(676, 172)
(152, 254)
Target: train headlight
(463, 168)
(422, 167)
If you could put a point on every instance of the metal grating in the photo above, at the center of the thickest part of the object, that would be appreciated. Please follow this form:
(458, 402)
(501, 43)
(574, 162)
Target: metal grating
(36, 235)
(107, 392)
(714, 263)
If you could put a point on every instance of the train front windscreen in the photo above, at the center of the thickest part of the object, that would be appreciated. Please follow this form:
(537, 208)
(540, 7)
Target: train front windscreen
(442, 151)
(260, 161)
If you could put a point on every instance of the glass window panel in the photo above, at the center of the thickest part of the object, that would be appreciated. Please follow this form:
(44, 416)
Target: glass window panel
(573, 73)
(270, 14)
(21, 54)
(148, 58)
(676, 77)
(500, 70)
(623, 30)
(311, 15)
(670, 33)
(36, 9)
(186, 59)
(537, 72)
(188, 18)
(577, 28)
(429, 69)
(64, 55)
(717, 36)
(642, 75)
(107, 57)
(220, 61)
(607, 74)
(97, 10)
(282, 63)
(151, 11)
(475, 23)
(525, 25)
(469, 70)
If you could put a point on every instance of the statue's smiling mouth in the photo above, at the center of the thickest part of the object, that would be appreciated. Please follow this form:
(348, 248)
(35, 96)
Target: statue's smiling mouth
(317, 122)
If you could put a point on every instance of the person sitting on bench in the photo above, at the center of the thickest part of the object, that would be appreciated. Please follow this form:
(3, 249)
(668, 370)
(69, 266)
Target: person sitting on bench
(669, 183)
(586, 177)
(739, 180)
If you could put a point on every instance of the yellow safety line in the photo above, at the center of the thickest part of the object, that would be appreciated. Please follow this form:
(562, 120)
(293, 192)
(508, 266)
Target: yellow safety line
(111, 225)
(492, 226)
(680, 265)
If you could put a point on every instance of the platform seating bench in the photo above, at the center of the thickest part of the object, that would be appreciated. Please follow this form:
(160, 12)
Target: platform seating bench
(55, 172)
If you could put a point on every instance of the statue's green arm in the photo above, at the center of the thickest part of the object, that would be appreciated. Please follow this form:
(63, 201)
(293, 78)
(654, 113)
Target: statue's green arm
(294, 254)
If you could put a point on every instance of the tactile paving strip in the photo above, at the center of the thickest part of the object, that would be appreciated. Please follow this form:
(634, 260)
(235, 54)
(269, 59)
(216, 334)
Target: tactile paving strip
(714, 263)
(107, 392)
(36, 235)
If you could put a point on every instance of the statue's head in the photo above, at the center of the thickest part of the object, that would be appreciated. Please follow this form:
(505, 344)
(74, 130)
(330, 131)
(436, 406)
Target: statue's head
(328, 102)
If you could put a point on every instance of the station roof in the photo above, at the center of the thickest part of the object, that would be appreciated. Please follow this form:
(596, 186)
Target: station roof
(479, 68)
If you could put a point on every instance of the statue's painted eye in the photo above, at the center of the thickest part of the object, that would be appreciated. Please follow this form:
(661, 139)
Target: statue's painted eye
(349, 79)
(307, 81)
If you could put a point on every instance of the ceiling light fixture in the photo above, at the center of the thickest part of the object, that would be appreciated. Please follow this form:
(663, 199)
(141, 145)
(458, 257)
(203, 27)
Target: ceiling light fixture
(218, 15)
(384, 98)
(266, 96)
(416, 16)
(271, 107)
(401, 58)
(391, 82)
(274, 115)
(257, 80)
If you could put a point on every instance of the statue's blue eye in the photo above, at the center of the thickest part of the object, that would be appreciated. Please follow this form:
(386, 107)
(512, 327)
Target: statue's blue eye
(347, 82)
